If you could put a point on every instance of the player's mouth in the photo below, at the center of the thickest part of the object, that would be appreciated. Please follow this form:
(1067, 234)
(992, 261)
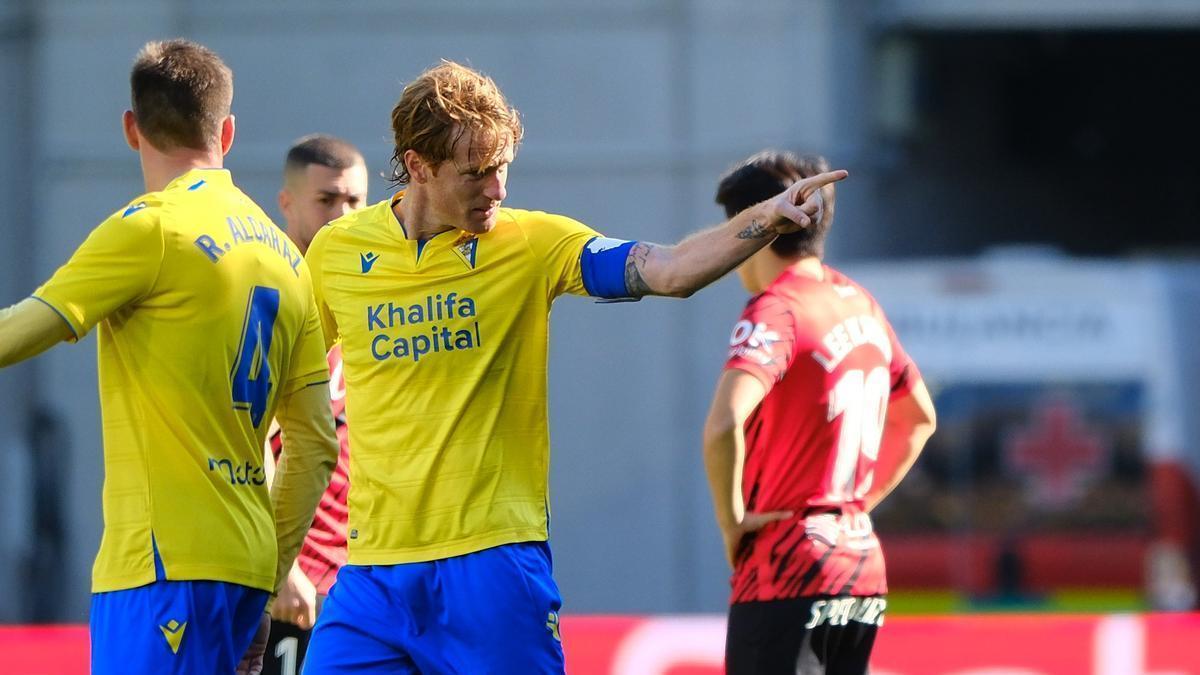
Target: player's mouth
(486, 213)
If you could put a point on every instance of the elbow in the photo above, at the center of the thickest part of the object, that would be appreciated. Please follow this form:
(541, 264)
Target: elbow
(717, 431)
(675, 282)
(679, 286)
(929, 424)
(674, 286)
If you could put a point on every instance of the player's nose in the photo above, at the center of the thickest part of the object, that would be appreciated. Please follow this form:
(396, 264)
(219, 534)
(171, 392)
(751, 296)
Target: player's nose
(495, 189)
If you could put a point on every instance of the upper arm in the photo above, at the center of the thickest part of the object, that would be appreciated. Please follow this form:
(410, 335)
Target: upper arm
(738, 393)
(315, 261)
(903, 371)
(763, 340)
(309, 366)
(576, 259)
(909, 402)
(117, 264)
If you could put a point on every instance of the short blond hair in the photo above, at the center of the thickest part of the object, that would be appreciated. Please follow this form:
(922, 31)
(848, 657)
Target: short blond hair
(440, 106)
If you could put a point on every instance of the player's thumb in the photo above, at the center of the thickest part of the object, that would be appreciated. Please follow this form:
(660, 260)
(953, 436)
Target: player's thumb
(755, 521)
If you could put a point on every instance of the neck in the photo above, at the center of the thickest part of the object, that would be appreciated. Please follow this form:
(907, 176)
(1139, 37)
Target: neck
(160, 168)
(416, 214)
(810, 266)
(773, 266)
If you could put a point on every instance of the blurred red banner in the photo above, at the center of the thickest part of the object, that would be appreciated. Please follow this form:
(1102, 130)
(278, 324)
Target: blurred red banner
(1035, 644)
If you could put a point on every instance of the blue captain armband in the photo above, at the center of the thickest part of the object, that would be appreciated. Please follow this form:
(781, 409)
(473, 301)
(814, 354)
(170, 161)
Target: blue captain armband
(602, 262)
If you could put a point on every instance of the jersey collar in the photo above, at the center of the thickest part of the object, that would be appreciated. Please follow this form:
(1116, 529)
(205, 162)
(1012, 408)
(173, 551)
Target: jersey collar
(195, 178)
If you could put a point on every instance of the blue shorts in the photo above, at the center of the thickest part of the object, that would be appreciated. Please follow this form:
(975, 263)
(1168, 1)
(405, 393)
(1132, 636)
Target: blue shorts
(493, 611)
(174, 628)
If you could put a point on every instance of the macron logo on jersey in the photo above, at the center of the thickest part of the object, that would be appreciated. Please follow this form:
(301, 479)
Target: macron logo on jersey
(173, 632)
(368, 261)
(133, 209)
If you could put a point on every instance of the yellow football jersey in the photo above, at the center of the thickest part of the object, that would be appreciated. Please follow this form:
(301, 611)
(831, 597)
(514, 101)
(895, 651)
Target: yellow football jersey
(444, 345)
(206, 315)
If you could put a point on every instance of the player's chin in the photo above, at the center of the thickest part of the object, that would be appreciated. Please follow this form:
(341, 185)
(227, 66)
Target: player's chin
(480, 221)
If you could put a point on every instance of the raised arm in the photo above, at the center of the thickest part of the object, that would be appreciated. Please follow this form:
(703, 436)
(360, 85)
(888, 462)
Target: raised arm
(29, 328)
(702, 258)
(910, 422)
(738, 394)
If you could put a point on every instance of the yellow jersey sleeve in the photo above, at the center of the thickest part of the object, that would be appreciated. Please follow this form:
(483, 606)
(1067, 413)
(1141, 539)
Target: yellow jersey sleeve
(558, 242)
(116, 265)
(315, 259)
(309, 366)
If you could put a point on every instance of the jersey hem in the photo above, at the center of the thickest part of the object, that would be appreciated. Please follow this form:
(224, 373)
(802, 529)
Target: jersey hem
(814, 596)
(185, 573)
(442, 551)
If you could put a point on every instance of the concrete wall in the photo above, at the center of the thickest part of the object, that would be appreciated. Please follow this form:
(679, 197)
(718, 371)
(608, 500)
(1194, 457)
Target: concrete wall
(632, 109)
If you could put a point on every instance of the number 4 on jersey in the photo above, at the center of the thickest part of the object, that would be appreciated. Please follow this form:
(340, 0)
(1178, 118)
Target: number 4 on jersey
(252, 371)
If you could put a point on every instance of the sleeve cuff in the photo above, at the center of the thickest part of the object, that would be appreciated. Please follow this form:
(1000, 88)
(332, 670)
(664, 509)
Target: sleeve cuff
(76, 330)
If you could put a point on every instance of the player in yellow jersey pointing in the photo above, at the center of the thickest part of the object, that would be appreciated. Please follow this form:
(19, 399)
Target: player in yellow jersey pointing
(207, 327)
(441, 299)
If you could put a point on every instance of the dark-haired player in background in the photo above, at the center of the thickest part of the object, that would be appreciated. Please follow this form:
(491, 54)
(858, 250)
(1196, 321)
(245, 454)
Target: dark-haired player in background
(324, 178)
(818, 415)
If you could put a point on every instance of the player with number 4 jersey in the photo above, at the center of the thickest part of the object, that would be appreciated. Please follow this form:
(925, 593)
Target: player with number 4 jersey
(207, 325)
(818, 415)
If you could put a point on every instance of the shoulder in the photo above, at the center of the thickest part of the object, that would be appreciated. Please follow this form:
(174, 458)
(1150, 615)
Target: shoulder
(142, 214)
(849, 288)
(358, 224)
(374, 215)
(538, 223)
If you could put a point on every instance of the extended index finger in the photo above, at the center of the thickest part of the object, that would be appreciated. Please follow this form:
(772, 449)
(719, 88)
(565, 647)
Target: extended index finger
(813, 183)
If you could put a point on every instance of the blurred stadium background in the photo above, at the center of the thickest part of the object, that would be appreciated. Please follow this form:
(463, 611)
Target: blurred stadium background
(1023, 200)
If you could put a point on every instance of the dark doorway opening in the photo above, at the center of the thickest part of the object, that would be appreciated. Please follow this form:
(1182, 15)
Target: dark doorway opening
(1084, 140)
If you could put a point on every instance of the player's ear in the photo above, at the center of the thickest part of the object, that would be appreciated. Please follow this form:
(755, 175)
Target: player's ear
(129, 127)
(285, 202)
(417, 168)
(227, 129)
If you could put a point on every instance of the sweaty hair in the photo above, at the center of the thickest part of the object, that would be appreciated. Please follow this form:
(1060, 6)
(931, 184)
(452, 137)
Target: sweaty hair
(440, 106)
(181, 93)
(766, 174)
(322, 149)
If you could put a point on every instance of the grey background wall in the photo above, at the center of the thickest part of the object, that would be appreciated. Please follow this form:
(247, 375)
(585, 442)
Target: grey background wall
(632, 109)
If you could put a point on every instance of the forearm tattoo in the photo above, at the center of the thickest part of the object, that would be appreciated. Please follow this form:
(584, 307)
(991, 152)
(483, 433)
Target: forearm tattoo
(635, 284)
(756, 230)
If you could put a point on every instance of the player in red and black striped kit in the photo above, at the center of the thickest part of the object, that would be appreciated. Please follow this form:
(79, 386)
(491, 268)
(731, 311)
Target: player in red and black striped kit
(818, 414)
(324, 178)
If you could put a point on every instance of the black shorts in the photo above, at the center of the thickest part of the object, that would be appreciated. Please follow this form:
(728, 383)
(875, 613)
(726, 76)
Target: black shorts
(803, 636)
(285, 649)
